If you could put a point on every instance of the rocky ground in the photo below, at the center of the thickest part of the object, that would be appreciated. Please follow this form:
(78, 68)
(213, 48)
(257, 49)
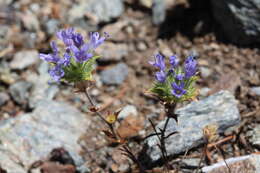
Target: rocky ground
(49, 127)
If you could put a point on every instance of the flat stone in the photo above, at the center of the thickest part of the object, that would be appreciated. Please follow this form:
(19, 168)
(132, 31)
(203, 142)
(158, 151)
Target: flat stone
(30, 137)
(220, 109)
(24, 59)
(115, 75)
(244, 164)
(112, 52)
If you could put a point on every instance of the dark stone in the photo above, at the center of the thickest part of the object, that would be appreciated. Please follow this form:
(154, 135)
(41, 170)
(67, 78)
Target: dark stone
(240, 19)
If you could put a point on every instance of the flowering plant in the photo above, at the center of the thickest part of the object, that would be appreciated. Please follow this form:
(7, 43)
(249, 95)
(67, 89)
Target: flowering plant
(174, 84)
(73, 63)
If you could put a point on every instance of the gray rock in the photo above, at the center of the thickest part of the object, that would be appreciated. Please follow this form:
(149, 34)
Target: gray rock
(115, 75)
(52, 26)
(5, 2)
(242, 19)
(159, 11)
(249, 163)
(112, 52)
(20, 92)
(30, 137)
(255, 136)
(101, 11)
(220, 108)
(6, 76)
(24, 59)
(126, 111)
(41, 89)
(190, 162)
(205, 72)
(256, 90)
(3, 34)
(3, 98)
(204, 91)
(30, 21)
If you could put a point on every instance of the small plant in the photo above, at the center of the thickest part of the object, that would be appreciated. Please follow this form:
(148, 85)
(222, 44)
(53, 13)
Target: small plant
(210, 135)
(174, 84)
(73, 62)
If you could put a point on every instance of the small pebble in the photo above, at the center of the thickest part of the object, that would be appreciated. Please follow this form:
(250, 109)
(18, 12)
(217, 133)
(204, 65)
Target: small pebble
(256, 90)
(115, 75)
(3, 98)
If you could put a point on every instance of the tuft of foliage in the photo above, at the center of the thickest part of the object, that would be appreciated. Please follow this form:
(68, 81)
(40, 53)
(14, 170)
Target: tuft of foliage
(77, 72)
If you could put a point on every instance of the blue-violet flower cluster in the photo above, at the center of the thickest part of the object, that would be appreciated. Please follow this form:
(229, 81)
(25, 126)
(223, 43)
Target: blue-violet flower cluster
(73, 62)
(175, 83)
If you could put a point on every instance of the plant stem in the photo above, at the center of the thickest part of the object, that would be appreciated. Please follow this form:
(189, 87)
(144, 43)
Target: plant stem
(223, 156)
(99, 114)
(128, 153)
(169, 109)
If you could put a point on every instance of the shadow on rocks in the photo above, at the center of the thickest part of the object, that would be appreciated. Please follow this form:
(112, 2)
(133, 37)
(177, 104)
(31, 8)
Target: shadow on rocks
(192, 20)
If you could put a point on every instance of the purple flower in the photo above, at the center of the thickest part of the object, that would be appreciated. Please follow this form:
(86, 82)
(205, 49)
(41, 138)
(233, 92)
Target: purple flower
(96, 40)
(75, 47)
(160, 76)
(179, 77)
(77, 39)
(49, 57)
(56, 73)
(159, 62)
(178, 90)
(52, 58)
(190, 67)
(174, 61)
(66, 36)
(65, 61)
(54, 47)
(81, 54)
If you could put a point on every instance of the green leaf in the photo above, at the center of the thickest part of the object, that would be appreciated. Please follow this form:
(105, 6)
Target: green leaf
(77, 72)
(163, 90)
